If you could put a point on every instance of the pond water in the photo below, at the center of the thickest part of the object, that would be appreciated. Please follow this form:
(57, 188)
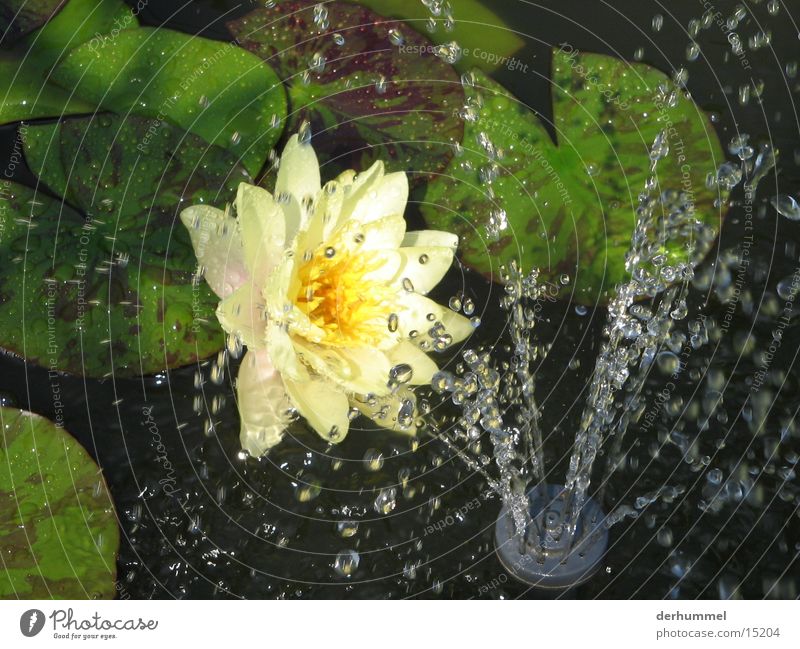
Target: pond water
(705, 492)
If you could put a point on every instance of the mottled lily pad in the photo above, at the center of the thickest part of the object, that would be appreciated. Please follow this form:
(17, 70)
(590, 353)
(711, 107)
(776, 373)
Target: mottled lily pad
(27, 91)
(58, 530)
(217, 90)
(571, 204)
(105, 282)
(20, 17)
(363, 97)
(486, 41)
(43, 154)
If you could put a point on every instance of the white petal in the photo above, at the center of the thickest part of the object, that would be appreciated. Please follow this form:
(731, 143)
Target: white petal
(363, 371)
(417, 314)
(423, 267)
(263, 403)
(391, 405)
(298, 173)
(369, 370)
(277, 286)
(422, 365)
(420, 314)
(262, 227)
(456, 325)
(385, 196)
(324, 407)
(242, 314)
(431, 238)
(317, 228)
(364, 182)
(384, 233)
(283, 353)
(295, 216)
(363, 187)
(217, 246)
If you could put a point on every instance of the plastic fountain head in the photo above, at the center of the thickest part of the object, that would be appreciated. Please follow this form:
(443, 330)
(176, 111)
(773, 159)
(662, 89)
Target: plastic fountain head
(556, 550)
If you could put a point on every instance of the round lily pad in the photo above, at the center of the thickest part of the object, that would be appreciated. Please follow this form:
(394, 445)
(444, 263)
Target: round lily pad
(20, 17)
(363, 96)
(570, 205)
(26, 95)
(26, 89)
(43, 154)
(105, 282)
(217, 90)
(485, 40)
(58, 529)
(79, 21)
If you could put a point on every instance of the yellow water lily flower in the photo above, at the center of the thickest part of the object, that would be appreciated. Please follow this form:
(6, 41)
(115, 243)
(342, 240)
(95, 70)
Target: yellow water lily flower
(327, 290)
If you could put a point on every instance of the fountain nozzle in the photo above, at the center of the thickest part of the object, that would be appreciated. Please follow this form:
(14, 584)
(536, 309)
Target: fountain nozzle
(547, 554)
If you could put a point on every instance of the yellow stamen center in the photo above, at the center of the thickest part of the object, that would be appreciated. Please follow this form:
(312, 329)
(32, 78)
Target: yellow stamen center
(352, 311)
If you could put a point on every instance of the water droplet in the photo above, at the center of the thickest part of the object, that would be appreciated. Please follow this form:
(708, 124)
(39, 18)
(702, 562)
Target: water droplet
(373, 460)
(318, 62)
(346, 562)
(786, 206)
(304, 133)
(744, 94)
(405, 415)
(787, 288)
(347, 529)
(729, 175)
(401, 373)
(396, 38)
(657, 22)
(386, 501)
(668, 362)
(449, 52)
(308, 490)
(320, 15)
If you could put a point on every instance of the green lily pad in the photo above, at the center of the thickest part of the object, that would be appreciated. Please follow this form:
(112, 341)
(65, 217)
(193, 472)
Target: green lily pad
(79, 21)
(571, 205)
(217, 90)
(486, 41)
(364, 98)
(106, 284)
(43, 154)
(20, 17)
(26, 95)
(58, 529)
(28, 92)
